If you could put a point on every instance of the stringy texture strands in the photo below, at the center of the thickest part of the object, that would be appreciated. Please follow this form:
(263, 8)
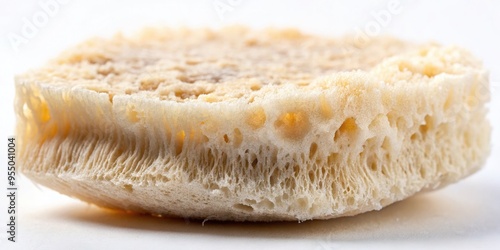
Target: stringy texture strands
(245, 125)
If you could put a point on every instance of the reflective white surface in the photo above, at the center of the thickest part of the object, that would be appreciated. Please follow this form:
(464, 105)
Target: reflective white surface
(464, 215)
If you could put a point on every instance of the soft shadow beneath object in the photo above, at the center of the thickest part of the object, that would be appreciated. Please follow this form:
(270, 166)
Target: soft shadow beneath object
(457, 215)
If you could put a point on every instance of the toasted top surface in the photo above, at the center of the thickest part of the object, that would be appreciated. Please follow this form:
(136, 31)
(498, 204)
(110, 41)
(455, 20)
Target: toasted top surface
(212, 66)
(180, 64)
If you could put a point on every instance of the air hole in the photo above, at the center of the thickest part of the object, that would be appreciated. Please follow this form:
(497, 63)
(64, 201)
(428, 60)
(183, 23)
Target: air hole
(325, 108)
(256, 118)
(267, 204)
(193, 61)
(423, 173)
(293, 125)
(348, 127)
(350, 201)
(405, 66)
(423, 129)
(273, 179)
(204, 138)
(43, 111)
(128, 188)
(255, 162)
(302, 203)
(185, 78)
(192, 94)
(213, 186)
(385, 201)
(132, 114)
(238, 137)
(312, 176)
(395, 190)
(386, 144)
(243, 207)
(384, 172)
(285, 196)
(225, 191)
(414, 136)
(374, 166)
(226, 138)
(426, 126)
(150, 83)
(431, 70)
(250, 201)
(296, 170)
(255, 87)
(333, 158)
(312, 150)
(179, 141)
(392, 117)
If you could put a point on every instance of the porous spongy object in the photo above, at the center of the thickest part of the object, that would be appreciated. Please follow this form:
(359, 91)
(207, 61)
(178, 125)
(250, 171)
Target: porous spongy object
(244, 125)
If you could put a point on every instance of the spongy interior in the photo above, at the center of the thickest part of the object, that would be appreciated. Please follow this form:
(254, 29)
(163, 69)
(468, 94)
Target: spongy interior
(274, 125)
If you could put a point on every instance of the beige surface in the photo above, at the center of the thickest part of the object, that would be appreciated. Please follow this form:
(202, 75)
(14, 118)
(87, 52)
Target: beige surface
(148, 132)
(461, 216)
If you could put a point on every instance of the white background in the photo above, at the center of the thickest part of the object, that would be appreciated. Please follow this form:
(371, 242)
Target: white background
(464, 215)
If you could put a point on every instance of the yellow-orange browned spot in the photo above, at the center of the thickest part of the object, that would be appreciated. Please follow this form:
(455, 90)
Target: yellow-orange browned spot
(238, 137)
(423, 52)
(41, 109)
(405, 66)
(132, 114)
(49, 133)
(325, 108)
(349, 126)
(210, 98)
(293, 125)
(256, 118)
(150, 83)
(179, 141)
(195, 135)
(286, 33)
(44, 112)
(430, 70)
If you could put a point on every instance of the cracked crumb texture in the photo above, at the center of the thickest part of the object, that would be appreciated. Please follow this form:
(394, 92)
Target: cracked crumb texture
(251, 125)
